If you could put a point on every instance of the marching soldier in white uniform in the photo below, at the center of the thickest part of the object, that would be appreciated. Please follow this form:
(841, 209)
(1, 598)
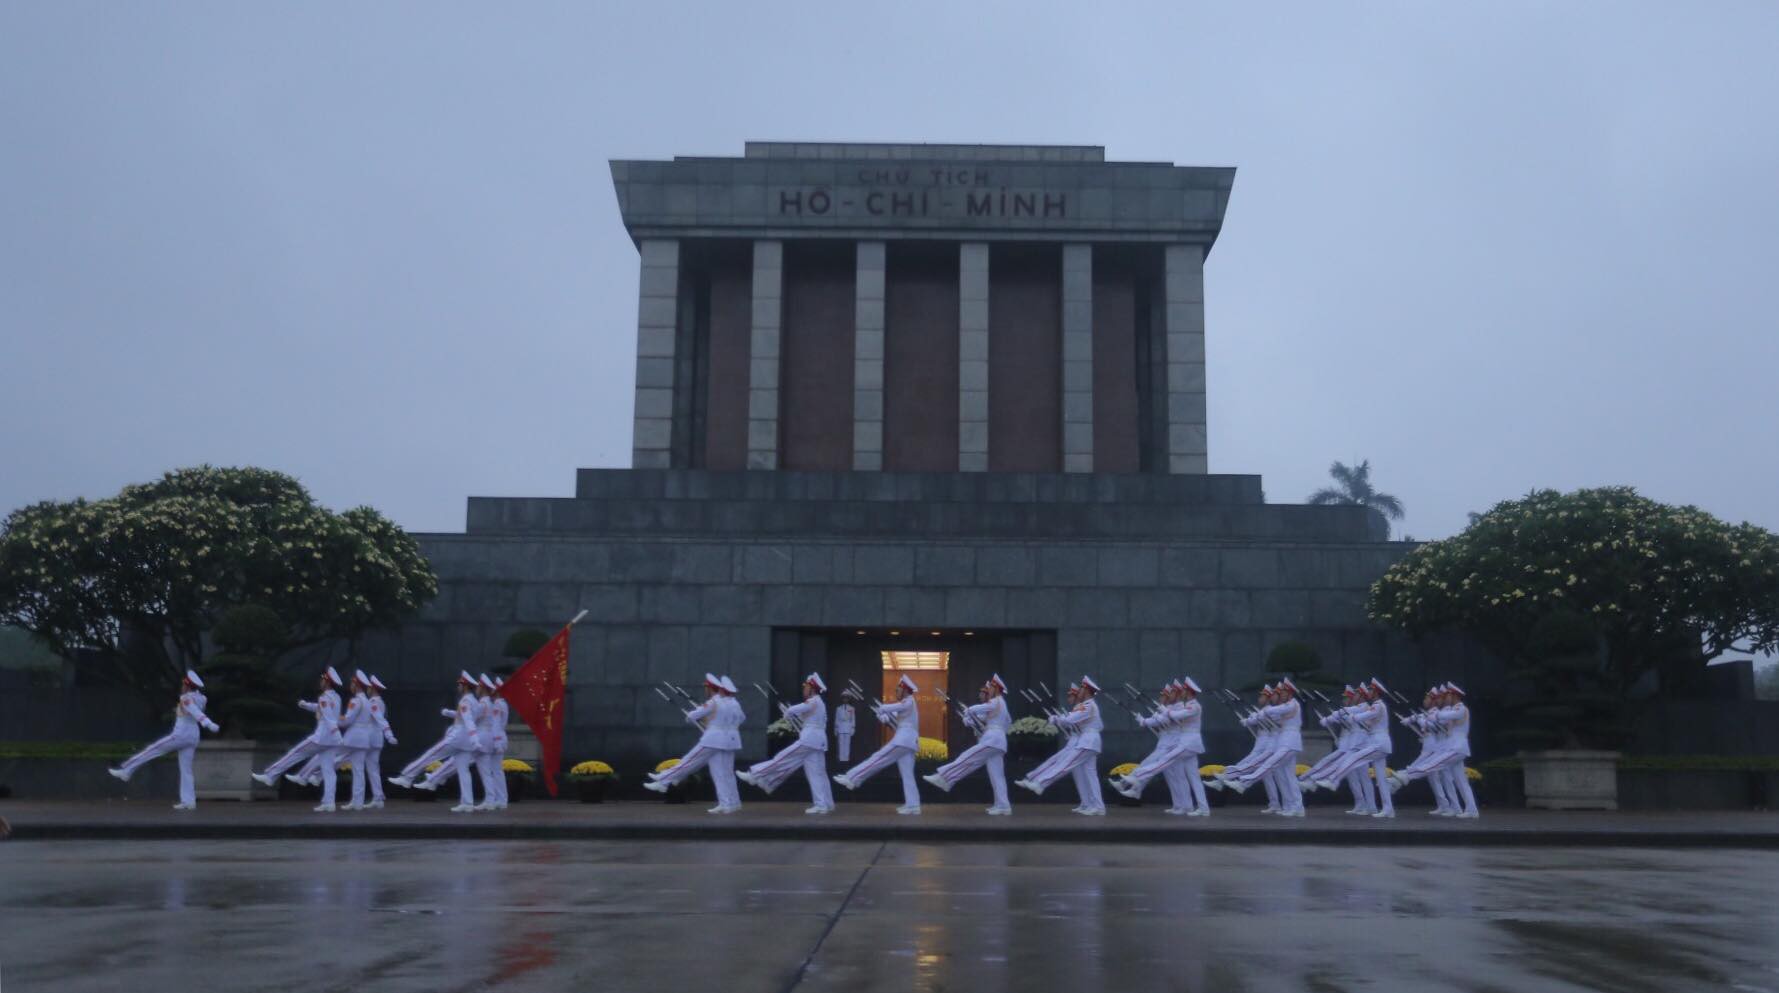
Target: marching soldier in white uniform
(1367, 752)
(845, 721)
(458, 750)
(1083, 753)
(1454, 719)
(809, 752)
(188, 717)
(992, 719)
(1433, 753)
(905, 716)
(491, 727)
(440, 749)
(1243, 773)
(1348, 739)
(1179, 744)
(720, 717)
(1278, 768)
(382, 735)
(358, 729)
(324, 743)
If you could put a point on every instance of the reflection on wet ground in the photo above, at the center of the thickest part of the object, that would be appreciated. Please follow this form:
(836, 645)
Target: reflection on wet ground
(867, 916)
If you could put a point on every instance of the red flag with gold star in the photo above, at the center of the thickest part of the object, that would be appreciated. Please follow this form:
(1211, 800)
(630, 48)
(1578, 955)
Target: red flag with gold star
(536, 693)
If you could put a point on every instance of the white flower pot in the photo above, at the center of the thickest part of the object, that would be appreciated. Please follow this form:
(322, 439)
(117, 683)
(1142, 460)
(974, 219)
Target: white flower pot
(1571, 780)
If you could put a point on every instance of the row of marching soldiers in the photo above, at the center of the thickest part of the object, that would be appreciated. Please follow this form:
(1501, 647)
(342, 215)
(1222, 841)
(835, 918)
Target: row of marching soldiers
(475, 739)
(1361, 727)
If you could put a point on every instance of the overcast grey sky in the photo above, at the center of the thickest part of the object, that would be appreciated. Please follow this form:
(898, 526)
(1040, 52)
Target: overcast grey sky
(1489, 247)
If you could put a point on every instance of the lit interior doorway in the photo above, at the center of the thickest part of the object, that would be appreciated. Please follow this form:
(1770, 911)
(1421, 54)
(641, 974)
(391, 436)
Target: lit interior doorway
(930, 670)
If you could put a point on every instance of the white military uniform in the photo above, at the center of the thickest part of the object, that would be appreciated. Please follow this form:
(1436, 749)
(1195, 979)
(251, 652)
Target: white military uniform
(808, 753)
(359, 730)
(1433, 754)
(458, 753)
(1078, 759)
(188, 717)
(902, 746)
(324, 744)
(845, 721)
(1455, 720)
(721, 717)
(500, 712)
(373, 757)
(439, 752)
(1175, 758)
(989, 751)
(1349, 739)
(1368, 750)
(1240, 775)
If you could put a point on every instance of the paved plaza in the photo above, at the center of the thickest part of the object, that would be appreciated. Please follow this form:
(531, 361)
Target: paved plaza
(940, 822)
(868, 916)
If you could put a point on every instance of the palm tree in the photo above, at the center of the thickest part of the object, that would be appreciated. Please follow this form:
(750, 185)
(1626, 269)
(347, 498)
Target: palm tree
(1355, 488)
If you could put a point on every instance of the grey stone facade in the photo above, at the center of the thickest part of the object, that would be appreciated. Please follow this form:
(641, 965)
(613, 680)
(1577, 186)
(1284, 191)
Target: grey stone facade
(1139, 579)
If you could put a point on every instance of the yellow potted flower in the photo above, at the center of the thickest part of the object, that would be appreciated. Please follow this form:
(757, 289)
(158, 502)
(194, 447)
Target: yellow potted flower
(517, 773)
(678, 792)
(590, 779)
(1119, 772)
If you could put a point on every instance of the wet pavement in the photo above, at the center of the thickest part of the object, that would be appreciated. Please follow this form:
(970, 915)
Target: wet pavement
(869, 916)
(135, 820)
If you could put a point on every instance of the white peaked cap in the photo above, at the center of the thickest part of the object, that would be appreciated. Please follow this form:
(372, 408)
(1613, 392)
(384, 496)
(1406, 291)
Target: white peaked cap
(486, 680)
(363, 680)
(334, 676)
(710, 680)
(815, 679)
(1379, 684)
(499, 682)
(463, 676)
(378, 683)
(1288, 684)
(1348, 689)
(727, 684)
(1455, 689)
(1192, 685)
(1088, 682)
(913, 687)
(996, 679)
(192, 678)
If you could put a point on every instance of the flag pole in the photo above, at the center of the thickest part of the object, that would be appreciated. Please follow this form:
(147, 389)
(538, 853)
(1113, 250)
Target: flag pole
(577, 617)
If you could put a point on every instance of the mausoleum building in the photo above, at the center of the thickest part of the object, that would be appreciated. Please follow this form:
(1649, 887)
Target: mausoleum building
(925, 409)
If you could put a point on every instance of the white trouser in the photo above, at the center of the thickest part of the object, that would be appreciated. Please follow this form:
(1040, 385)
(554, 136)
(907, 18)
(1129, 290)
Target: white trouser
(844, 739)
(494, 779)
(357, 758)
(1075, 762)
(979, 756)
(457, 762)
(329, 755)
(436, 753)
(1086, 775)
(373, 769)
(1185, 784)
(722, 772)
(877, 761)
(1356, 785)
(1282, 774)
(1380, 772)
(1457, 783)
(1156, 764)
(181, 741)
(771, 774)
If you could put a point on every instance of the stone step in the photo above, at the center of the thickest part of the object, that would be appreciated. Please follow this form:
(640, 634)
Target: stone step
(920, 519)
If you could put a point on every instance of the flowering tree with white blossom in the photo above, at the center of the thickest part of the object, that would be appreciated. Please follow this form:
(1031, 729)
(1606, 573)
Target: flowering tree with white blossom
(155, 567)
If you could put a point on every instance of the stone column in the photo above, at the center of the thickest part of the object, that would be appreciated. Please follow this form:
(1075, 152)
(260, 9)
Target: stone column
(1184, 312)
(657, 319)
(867, 362)
(972, 343)
(763, 355)
(1077, 358)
